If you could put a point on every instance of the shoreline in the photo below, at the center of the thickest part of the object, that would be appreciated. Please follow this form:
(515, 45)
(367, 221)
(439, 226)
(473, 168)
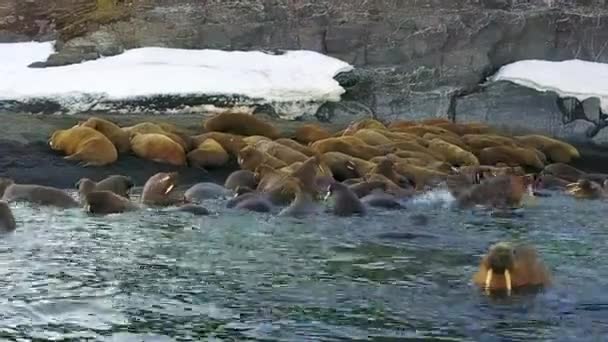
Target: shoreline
(26, 158)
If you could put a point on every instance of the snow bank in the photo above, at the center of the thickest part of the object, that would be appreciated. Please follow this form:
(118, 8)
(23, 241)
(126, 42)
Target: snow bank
(284, 81)
(570, 78)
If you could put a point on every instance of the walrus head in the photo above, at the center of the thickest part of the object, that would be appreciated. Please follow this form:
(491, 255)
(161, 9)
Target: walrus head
(5, 183)
(500, 260)
(85, 185)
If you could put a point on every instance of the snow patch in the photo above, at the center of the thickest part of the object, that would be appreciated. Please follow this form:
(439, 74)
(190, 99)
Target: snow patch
(294, 83)
(569, 78)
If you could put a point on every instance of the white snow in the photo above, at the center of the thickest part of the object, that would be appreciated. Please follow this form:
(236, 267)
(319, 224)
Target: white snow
(570, 78)
(297, 76)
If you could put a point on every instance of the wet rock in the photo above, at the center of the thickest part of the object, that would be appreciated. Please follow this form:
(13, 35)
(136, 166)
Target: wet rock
(601, 138)
(591, 107)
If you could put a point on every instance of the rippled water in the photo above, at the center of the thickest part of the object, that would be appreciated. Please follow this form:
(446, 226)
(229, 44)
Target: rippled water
(157, 276)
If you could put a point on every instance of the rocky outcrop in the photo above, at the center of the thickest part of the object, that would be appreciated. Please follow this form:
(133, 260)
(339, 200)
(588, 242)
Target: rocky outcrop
(413, 59)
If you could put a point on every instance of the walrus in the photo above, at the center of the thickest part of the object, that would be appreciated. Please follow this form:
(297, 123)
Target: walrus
(159, 148)
(550, 182)
(372, 137)
(194, 209)
(344, 166)
(281, 152)
(7, 220)
(118, 184)
(386, 167)
(203, 191)
(84, 144)
(380, 199)
(152, 128)
(231, 143)
(303, 204)
(507, 266)
(242, 124)
(38, 194)
(159, 190)
(253, 139)
(346, 202)
(310, 133)
(107, 202)
(497, 192)
(364, 188)
(586, 189)
(296, 146)
(478, 142)
(452, 153)
(249, 158)
(449, 139)
(209, 154)
(563, 171)
(421, 130)
(248, 199)
(512, 156)
(118, 136)
(349, 145)
(240, 178)
(558, 151)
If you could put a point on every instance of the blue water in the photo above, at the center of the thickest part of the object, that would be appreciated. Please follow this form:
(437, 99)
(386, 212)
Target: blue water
(158, 276)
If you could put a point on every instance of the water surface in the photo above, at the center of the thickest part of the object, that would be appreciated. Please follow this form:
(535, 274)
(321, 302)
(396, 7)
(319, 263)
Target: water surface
(157, 276)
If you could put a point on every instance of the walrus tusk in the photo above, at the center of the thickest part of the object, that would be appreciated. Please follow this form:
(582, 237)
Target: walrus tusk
(239, 160)
(488, 279)
(327, 195)
(508, 280)
(166, 178)
(169, 188)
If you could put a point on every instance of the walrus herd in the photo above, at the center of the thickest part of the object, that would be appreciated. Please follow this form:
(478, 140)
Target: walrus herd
(368, 164)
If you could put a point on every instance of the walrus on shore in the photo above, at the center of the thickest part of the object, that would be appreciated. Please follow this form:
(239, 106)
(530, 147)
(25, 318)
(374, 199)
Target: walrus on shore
(558, 151)
(84, 144)
(240, 123)
(512, 156)
(346, 202)
(507, 266)
(231, 143)
(159, 190)
(158, 148)
(118, 136)
(281, 152)
(37, 194)
(118, 184)
(249, 158)
(452, 153)
(7, 220)
(107, 202)
(206, 190)
(152, 128)
(296, 146)
(310, 133)
(349, 145)
(209, 154)
(241, 178)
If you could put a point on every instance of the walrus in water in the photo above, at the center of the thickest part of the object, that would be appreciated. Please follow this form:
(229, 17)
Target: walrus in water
(564, 171)
(380, 199)
(241, 178)
(303, 203)
(7, 220)
(586, 189)
(37, 194)
(498, 192)
(249, 199)
(194, 209)
(120, 185)
(346, 202)
(203, 191)
(508, 266)
(107, 202)
(159, 190)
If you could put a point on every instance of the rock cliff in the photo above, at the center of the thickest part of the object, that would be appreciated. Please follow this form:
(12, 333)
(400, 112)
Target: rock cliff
(413, 58)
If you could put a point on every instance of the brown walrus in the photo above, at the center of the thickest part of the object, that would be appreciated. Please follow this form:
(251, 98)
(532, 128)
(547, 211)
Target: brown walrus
(508, 266)
(159, 190)
(118, 184)
(37, 194)
(564, 171)
(346, 202)
(586, 189)
(84, 144)
(159, 148)
(7, 220)
(303, 204)
(107, 202)
(118, 136)
(240, 123)
(209, 154)
(499, 192)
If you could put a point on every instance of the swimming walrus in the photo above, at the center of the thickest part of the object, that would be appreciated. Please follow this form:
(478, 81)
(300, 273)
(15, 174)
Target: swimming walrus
(7, 220)
(36, 194)
(107, 202)
(507, 266)
(241, 178)
(346, 202)
(159, 190)
(118, 184)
